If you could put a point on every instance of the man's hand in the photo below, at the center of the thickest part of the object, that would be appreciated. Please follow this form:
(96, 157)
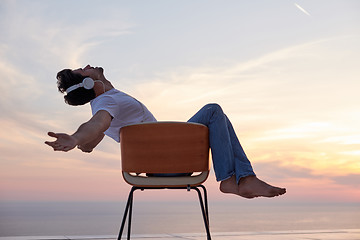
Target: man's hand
(63, 142)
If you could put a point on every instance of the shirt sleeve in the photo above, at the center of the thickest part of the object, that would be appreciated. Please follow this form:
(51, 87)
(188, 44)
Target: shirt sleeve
(108, 104)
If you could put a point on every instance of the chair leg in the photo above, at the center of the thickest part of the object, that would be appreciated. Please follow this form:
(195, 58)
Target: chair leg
(206, 203)
(128, 209)
(130, 216)
(129, 205)
(204, 209)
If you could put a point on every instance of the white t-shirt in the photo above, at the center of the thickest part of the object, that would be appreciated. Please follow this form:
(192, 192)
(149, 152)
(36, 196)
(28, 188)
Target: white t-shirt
(124, 109)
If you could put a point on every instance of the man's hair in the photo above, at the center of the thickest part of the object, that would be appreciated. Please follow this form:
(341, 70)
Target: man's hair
(67, 78)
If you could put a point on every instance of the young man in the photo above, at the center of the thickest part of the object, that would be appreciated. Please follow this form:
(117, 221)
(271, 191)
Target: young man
(113, 109)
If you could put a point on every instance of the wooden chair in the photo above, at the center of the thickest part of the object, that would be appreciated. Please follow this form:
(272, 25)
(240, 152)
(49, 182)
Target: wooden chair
(165, 155)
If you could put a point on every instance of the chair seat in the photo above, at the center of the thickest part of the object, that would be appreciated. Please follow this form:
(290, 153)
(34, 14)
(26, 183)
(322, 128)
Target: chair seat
(183, 181)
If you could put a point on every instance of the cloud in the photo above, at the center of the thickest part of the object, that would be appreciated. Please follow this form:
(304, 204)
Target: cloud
(291, 85)
(15, 83)
(348, 180)
(304, 130)
(282, 171)
(346, 139)
(44, 34)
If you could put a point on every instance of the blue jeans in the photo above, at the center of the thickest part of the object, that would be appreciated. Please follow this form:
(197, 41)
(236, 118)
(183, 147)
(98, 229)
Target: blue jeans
(228, 156)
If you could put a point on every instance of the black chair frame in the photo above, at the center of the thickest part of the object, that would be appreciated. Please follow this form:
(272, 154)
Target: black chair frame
(202, 199)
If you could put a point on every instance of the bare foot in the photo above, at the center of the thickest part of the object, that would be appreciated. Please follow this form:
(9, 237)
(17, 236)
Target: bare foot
(250, 187)
(229, 186)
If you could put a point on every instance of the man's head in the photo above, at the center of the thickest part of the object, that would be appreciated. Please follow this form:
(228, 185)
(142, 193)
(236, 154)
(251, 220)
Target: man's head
(67, 78)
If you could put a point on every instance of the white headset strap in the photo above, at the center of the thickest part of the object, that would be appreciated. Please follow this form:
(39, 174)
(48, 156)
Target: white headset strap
(74, 87)
(87, 83)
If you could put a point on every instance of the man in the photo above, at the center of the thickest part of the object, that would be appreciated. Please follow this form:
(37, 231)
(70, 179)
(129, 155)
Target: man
(113, 109)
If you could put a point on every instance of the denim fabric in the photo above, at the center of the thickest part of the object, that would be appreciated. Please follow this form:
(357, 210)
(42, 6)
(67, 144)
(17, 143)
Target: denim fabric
(228, 156)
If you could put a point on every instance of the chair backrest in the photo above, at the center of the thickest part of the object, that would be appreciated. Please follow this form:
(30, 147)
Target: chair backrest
(164, 147)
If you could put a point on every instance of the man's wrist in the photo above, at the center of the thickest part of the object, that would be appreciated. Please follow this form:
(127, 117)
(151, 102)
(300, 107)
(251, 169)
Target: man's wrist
(76, 139)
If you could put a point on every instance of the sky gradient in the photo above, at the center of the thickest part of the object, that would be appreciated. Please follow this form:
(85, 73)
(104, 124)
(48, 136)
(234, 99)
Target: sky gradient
(285, 72)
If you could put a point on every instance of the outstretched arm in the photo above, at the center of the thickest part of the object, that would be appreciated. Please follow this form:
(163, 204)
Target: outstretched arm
(88, 135)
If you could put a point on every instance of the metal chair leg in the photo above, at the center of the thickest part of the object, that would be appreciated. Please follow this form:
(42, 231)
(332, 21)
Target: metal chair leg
(130, 217)
(206, 203)
(204, 211)
(128, 209)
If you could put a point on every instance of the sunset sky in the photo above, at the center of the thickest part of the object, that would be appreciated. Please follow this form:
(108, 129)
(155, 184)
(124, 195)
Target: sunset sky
(287, 74)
